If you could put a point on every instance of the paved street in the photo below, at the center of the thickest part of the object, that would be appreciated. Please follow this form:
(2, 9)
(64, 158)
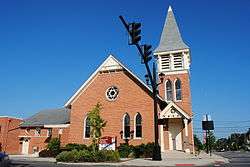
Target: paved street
(236, 159)
(173, 158)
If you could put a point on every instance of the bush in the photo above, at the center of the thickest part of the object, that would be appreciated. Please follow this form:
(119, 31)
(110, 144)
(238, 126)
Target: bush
(85, 156)
(46, 153)
(54, 146)
(139, 151)
(68, 156)
(125, 150)
(148, 150)
(74, 146)
(88, 156)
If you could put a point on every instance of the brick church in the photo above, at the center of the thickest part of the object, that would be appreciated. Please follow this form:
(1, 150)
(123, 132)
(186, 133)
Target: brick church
(126, 101)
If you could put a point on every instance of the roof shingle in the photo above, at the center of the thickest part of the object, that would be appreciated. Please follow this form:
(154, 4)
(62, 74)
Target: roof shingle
(170, 38)
(48, 117)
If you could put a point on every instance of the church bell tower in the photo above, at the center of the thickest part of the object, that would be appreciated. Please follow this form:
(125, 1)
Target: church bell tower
(173, 59)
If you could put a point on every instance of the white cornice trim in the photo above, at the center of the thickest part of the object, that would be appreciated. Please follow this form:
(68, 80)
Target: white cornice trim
(11, 117)
(166, 72)
(171, 52)
(57, 126)
(78, 92)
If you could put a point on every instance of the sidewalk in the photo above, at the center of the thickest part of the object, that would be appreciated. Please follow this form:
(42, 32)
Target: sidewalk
(171, 158)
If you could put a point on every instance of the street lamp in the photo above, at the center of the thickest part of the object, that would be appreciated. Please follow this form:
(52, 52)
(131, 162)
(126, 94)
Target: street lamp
(134, 31)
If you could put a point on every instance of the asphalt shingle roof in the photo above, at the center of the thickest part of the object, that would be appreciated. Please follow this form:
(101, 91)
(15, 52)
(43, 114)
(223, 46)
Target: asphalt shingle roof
(170, 38)
(48, 117)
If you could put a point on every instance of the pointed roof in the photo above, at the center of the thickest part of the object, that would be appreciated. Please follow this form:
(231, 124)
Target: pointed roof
(48, 117)
(111, 63)
(170, 38)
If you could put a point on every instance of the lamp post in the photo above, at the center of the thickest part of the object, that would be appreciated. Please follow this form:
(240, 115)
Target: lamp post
(145, 52)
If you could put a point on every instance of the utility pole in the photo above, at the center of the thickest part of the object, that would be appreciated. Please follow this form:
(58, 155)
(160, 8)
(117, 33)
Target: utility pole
(134, 31)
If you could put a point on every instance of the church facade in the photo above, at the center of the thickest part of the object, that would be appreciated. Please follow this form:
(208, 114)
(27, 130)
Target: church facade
(127, 103)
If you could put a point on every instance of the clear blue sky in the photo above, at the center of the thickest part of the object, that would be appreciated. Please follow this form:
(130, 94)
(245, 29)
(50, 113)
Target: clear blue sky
(49, 48)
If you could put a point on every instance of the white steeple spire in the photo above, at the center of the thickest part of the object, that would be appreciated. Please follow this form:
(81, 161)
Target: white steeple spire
(170, 9)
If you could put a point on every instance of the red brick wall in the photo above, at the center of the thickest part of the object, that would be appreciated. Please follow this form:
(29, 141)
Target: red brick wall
(185, 103)
(41, 141)
(131, 99)
(9, 134)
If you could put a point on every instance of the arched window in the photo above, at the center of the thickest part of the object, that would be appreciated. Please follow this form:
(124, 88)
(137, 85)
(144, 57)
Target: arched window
(138, 125)
(86, 128)
(178, 94)
(126, 126)
(169, 91)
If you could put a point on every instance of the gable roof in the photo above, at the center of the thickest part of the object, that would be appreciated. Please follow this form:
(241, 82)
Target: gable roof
(48, 117)
(111, 63)
(180, 110)
(170, 38)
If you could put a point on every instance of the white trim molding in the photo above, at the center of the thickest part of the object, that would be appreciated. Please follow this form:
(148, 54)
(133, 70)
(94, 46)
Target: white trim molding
(135, 126)
(84, 128)
(57, 126)
(123, 126)
(167, 110)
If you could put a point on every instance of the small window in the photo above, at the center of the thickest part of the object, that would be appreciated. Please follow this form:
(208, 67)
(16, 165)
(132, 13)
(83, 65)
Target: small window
(178, 93)
(87, 128)
(138, 126)
(126, 123)
(169, 91)
(49, 132)
(38, 132)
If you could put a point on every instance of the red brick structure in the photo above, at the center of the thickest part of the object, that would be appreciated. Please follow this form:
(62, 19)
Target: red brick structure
(9, 131)
(127, 104)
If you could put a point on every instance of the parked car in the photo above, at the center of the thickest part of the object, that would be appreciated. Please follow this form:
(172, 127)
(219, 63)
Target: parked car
(4, 159)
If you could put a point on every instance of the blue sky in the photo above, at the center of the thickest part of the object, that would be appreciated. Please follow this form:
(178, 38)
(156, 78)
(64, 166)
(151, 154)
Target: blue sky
(49, 48)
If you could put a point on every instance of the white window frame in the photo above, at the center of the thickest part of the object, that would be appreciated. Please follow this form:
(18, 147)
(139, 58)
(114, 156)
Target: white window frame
(176, 91)
(166, 90)
(123, 126)
(84, 128)
(135, 126)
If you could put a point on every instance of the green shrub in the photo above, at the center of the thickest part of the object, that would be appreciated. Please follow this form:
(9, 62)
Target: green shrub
(148, 150)
(68, 156)
(144, 150)
(139, 150)
(46, 153)
(75, 146)
(125, 150)
(88, 156)
(85, 156)
(54, 146)
(112, 156)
